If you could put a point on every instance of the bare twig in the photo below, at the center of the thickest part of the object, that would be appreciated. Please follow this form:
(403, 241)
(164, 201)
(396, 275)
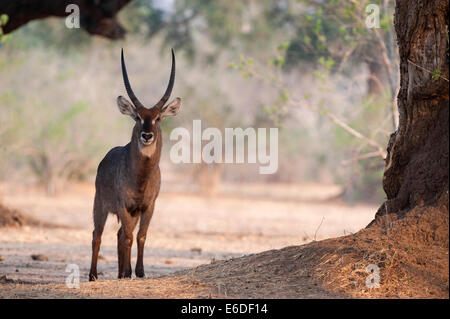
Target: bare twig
(386, 54)
(360, 157)
(347, 54)
(277, 82)
(318, 228)
(345, 126)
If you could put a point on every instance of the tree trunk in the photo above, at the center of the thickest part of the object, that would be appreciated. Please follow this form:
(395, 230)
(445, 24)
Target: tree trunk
(416, 170)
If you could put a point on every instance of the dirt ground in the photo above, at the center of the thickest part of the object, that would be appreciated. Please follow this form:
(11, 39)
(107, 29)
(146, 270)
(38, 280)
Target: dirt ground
(226, 246)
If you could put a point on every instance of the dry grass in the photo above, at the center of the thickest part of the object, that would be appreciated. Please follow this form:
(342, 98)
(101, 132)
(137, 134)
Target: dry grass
(168, 287)
(411, 253)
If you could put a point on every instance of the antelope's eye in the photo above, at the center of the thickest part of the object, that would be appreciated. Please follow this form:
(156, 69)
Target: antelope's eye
(158, 118)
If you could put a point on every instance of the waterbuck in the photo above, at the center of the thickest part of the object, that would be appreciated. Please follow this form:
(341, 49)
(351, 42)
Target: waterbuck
(128, 178)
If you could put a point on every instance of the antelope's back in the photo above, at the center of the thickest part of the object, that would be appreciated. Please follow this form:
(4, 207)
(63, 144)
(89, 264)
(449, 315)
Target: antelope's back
(108, 170)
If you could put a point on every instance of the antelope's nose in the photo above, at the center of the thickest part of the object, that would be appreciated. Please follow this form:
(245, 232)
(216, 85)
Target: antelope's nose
(147, 136)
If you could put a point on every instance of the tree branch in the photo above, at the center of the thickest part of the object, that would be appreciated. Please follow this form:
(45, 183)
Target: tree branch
(380, 150)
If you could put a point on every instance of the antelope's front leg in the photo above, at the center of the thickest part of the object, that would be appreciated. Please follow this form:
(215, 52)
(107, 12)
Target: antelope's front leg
(125, 242)
(141, 236)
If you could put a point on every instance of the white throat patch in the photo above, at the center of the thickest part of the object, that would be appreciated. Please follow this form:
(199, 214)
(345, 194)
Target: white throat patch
(149, 150)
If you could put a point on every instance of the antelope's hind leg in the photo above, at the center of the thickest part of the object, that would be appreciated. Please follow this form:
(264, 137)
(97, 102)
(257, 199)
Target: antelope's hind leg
(100, 216)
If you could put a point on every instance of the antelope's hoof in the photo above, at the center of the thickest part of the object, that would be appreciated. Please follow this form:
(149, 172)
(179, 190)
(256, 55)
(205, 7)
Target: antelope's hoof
(93, 277)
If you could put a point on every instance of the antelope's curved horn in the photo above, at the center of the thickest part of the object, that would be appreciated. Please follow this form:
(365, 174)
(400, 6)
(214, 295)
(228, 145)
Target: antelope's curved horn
(166, 95)
(133, 97)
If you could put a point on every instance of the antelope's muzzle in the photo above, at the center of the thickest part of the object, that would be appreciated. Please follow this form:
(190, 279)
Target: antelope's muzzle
(147, 138)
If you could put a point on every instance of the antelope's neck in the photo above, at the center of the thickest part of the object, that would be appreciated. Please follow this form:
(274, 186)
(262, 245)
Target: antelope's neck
(143, 163)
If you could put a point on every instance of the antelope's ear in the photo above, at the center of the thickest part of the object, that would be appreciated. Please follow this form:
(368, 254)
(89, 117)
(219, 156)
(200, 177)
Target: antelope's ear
(126, 107)
(171, 109)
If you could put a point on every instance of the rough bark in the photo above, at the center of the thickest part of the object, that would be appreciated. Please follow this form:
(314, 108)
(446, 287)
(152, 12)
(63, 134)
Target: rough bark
(416, 171)
(96, 16)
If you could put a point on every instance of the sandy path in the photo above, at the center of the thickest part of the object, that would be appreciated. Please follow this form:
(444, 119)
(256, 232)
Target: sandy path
(186, 231)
